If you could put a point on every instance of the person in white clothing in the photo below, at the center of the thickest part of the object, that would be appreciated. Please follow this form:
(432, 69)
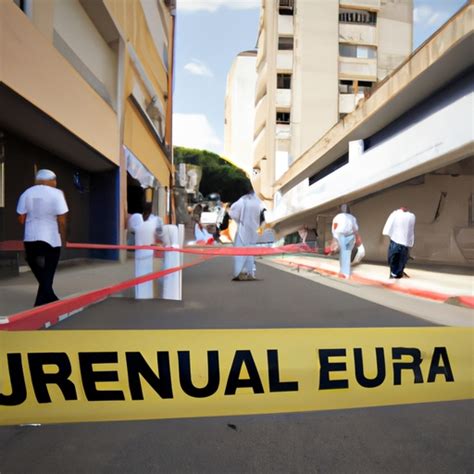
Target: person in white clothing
(148, 229)
(42, 210)
(246, 213)
(345, 230)
(202, 235)
(400, 227)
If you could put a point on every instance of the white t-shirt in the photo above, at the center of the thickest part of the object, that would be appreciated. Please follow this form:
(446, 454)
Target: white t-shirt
(400, 227)
(42, 205)
(147, 231)
(344, 224)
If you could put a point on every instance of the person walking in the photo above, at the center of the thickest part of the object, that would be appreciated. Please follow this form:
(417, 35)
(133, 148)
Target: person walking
(147, 229)
(246, 213)
(400, 227)
(42, 209)
(345, 230)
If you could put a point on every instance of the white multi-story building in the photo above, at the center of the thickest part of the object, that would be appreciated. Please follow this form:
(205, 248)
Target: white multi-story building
(239, 111)
(316, 60)
(409, 144)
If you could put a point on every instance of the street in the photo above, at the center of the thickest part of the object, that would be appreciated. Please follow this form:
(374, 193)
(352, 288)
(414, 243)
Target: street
(432, 437)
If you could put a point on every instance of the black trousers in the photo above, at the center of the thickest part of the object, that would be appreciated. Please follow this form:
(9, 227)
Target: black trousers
(397, 259)
(43, 260)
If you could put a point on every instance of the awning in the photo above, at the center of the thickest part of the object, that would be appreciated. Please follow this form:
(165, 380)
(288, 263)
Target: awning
(138, 171)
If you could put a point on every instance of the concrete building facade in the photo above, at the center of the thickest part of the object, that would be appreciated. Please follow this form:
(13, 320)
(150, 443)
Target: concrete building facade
(316, 61)
(85, 90)
(239, 110)
(409, 144)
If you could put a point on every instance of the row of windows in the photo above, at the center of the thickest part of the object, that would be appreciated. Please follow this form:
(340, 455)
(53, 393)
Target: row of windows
(283, 81)
(356, 51)
(286, 7)
(354, 87)
(283, 117)
(357, 16)
(285, 43)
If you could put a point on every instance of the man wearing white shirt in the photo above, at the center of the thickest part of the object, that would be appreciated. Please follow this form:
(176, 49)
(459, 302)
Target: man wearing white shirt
(42, 209)
(345, 230)
(400, 227)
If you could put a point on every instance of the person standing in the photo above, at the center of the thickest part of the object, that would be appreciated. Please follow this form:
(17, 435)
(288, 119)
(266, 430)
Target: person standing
(246, 213)
(345, 231)
(42, 209)
(400, 227)
(147, 229)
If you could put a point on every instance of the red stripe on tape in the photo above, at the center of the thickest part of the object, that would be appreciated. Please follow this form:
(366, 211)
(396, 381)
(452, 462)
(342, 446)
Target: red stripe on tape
(213, 251)
(36, 318)
(11, 245)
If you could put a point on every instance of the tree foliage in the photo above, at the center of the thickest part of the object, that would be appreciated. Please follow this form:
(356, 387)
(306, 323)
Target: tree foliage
(218, 175)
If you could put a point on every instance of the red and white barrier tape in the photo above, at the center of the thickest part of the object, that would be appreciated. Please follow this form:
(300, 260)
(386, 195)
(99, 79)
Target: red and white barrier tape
(215, 251)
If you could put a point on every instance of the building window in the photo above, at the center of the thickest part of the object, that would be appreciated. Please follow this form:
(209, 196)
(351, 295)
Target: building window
(283, 118)
(357, 51)
(283, 81)
(285, 43)
(357, 16)
(286, 7)
(355, 87)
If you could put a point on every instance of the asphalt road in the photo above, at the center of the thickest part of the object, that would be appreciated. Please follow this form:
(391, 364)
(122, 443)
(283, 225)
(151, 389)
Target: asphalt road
(424, 438)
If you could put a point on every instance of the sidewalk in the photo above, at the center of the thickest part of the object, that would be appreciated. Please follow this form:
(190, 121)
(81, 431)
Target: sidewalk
(444, 284)
(71, 279)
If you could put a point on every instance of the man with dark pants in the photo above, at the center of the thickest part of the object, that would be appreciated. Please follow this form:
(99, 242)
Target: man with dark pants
(400, 227)
(42, 209)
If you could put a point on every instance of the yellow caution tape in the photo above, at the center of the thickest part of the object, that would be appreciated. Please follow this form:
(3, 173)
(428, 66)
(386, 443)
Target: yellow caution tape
(72, 376)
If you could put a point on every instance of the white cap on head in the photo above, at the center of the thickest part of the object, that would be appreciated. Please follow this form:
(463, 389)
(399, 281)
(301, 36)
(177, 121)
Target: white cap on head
(45, 175)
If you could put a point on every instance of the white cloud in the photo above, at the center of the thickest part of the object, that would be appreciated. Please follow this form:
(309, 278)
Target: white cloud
(198, 68)
(195, 131)
(427, 15)
(214, 5)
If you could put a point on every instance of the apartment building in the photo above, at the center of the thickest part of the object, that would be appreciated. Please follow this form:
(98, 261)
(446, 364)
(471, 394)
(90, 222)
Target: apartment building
(409, 144)
(316, 61)
(85, 90)
(239, 111)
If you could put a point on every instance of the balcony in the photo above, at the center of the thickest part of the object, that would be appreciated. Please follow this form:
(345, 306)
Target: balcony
(355, 33)
(282, 131)
(283, 98)
(261, 110)
(261, 50)
(285, 25)
(261, 86)
(259, 146)
(354, 68)
(369, 4)
(348, 102)
(284, 61)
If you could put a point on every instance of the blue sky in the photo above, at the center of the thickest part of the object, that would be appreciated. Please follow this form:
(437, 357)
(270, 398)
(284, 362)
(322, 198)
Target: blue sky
(210, 33)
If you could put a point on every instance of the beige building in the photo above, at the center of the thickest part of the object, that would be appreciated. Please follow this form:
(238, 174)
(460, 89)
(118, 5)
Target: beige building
(316, 61)
(239, 111)
(85, 90)
(409, 144)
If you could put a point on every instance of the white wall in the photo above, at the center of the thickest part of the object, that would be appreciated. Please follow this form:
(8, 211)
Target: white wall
(240, 111)
(422, 147)
(434, 240)
(315, 77)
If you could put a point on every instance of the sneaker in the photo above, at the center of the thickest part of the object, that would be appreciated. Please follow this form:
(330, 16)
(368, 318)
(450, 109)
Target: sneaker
(240, 277)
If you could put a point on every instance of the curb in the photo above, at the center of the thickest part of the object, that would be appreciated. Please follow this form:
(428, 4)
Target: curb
(461, 300)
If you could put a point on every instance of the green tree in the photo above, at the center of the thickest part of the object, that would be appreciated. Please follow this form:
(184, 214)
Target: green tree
(218, 175)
